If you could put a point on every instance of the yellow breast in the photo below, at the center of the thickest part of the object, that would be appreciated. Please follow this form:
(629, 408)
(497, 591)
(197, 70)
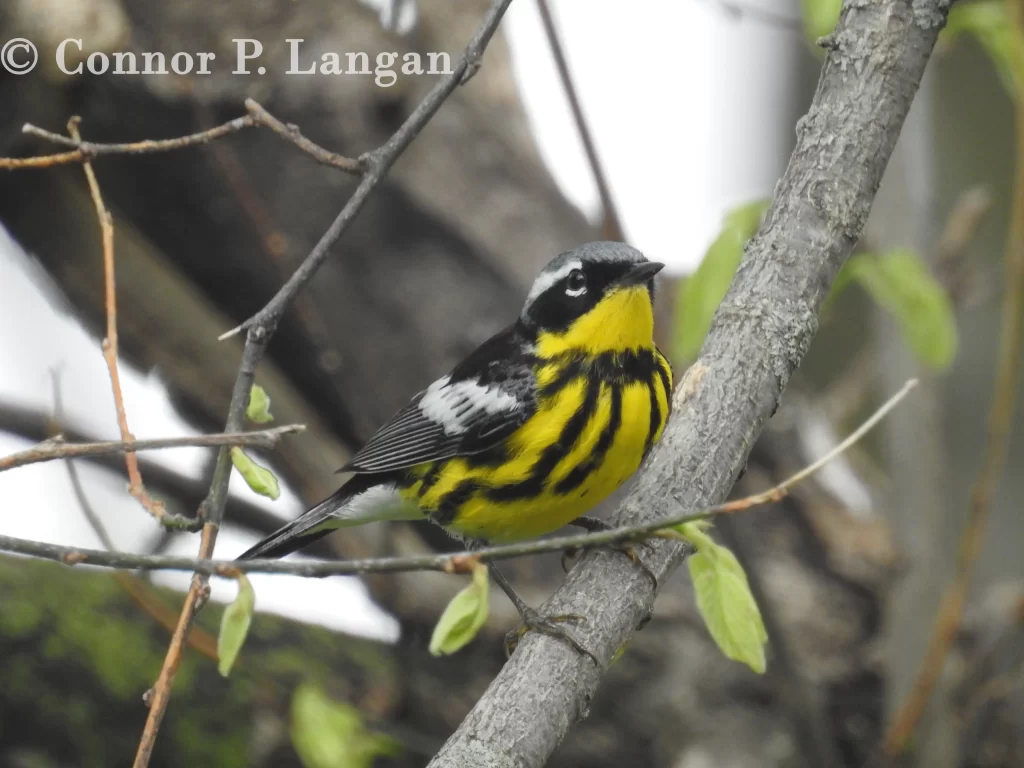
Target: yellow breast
(584, 441)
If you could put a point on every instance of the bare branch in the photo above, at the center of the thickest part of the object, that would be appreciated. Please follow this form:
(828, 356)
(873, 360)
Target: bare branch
(612, 224)
(76, 482)
(759, 336)
(377, 163)
(188, 491)
(56, 449)
(83, 151)
(141, 593)
(160, 695)
(291, 134)
(135, 486)
(262, 326)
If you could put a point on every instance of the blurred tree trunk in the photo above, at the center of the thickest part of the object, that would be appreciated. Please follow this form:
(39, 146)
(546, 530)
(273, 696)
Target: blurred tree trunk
(923, 521)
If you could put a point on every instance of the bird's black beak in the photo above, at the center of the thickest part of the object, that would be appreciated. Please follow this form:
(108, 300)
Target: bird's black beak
(640, 274)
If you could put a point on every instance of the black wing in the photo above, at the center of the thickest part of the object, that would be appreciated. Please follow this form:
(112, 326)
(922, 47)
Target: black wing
(485, 398)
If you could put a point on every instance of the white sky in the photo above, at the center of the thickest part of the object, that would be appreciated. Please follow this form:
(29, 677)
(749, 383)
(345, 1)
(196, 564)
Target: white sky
(690, 107)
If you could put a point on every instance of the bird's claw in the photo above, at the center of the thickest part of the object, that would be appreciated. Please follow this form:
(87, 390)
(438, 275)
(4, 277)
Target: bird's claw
(627, 548)
(546, 625)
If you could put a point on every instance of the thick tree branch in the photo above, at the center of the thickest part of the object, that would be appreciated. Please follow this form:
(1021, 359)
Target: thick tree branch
(759, 335)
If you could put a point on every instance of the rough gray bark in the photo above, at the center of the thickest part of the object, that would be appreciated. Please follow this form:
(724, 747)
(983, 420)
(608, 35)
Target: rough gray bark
(759, 336)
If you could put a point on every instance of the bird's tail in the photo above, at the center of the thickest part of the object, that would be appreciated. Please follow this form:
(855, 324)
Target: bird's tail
(352, 504)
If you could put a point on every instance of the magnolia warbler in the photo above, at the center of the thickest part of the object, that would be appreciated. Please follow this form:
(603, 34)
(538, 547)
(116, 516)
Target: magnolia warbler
(539, 424)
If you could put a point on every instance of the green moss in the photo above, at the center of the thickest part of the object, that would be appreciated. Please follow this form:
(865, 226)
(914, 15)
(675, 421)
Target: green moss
(199, 742)
(19, 617)
(82, 626)
(76, 655)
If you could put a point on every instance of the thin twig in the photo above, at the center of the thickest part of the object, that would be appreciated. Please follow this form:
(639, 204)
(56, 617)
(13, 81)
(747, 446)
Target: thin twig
(34, 425)
(964, 281)
(457, 563)
(141, 593)
(55, 449)
(776, 494)
(41, 161)
(160, 694)
(612, 224)
(87, 509)
(1000, 424)
(376, 165)
(291, 134)
(83, 151)
(76, 482)
(89, 149)
(261, 327)
(135, 485)
(962, 223)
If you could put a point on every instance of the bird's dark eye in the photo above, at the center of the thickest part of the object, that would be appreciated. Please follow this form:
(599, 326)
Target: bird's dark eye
(576, 283)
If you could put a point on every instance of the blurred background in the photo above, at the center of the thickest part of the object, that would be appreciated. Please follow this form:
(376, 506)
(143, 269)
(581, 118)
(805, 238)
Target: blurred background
(692, 105)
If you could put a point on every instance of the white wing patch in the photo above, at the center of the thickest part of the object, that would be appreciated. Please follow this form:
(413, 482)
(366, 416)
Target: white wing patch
(456, 406)
(546, 279)
(382, 502)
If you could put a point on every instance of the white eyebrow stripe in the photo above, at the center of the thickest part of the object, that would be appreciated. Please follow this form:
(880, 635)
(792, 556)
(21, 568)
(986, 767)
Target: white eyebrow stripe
(455, 406)
(547, 279)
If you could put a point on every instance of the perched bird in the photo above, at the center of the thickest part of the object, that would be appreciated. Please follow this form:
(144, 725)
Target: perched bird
(539, 424)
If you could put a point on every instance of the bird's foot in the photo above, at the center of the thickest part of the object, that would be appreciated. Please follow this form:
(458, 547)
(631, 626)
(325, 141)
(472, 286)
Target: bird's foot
(545, 625)
(628, 548)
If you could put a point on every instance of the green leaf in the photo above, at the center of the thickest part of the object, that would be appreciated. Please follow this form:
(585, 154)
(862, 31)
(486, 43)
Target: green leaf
(820, 17)
(260, 479)
(725, 601)
(990, 24)
(463, 616)
(704, 290)
(258, 411)
(234, 625)
(901, 282)
(331, 734)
